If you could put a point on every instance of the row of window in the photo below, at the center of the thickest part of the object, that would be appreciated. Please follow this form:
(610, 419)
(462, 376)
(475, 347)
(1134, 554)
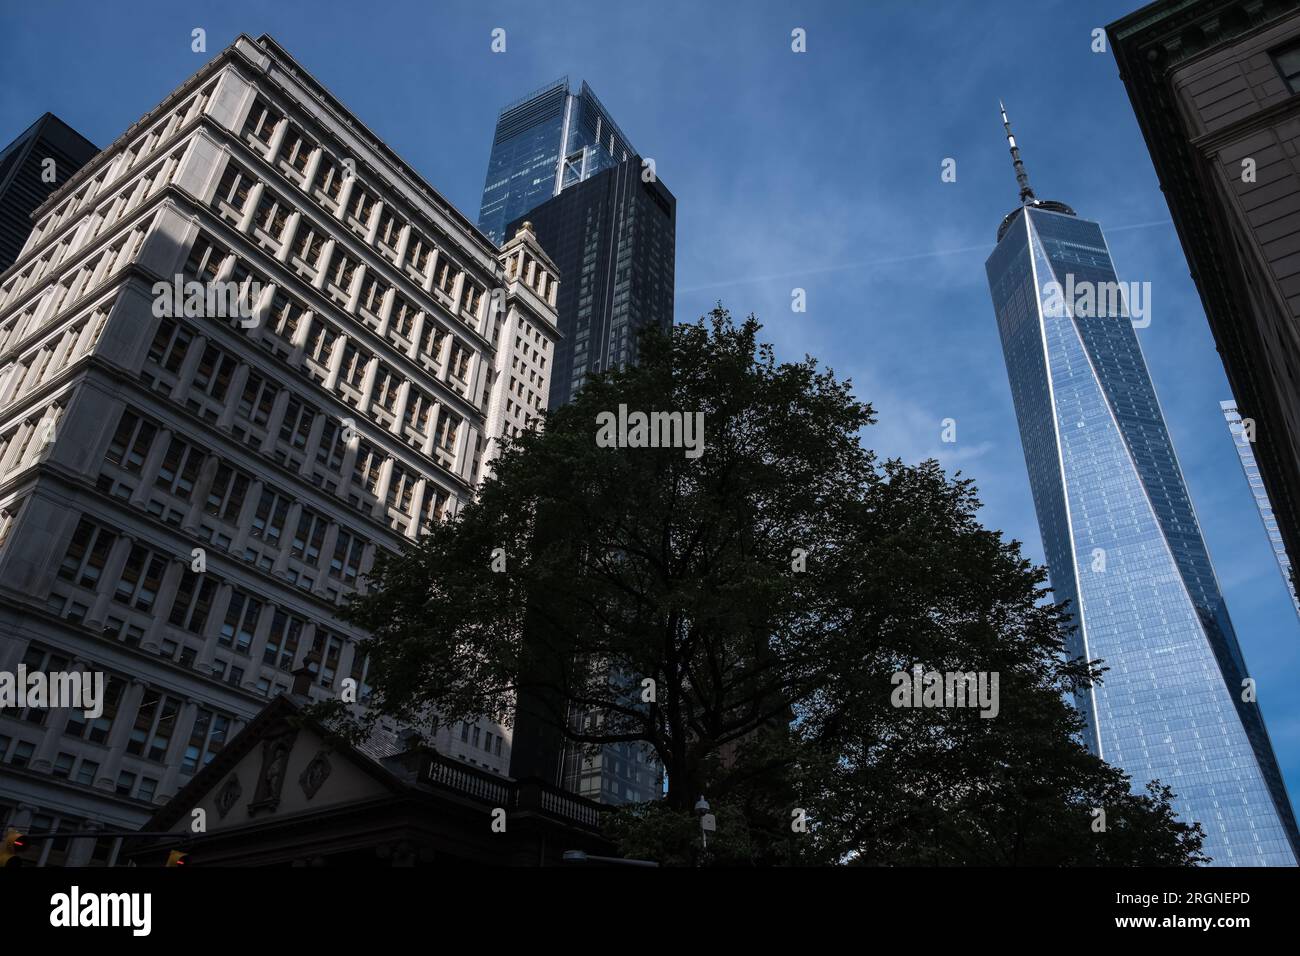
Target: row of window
(299, 435)
(179, 475)
(131, 157)
(139, 586)
(152, 726)
(491, 742)
(54, 851)
(92, 273)
(78, 340)
(359, 378)
(336, 188)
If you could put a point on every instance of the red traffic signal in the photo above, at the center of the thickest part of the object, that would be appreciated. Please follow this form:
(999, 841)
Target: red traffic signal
(11, 846)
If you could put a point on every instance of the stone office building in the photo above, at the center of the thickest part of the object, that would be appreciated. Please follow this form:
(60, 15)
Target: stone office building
(1214, 85)
(185, 500)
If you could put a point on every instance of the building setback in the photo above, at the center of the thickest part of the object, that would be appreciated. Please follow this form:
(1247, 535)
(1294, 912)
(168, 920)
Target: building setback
(1123, 543)
(1213, 84)
(186, 500)
(39, 161)
(543, 144)
(613, 238)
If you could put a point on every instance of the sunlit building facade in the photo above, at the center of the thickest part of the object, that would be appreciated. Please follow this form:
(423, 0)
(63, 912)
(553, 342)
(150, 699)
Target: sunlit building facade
(1242, 440)
(188, 496)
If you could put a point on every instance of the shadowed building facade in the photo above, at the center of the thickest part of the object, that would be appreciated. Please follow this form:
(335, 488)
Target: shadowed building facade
(1214, 85)
(562, 167)
(39, 161)
(1123, 543)
(613, 240)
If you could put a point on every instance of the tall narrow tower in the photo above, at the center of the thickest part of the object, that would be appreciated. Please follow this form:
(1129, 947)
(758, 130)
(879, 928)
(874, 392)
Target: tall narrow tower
(1243, 439)
(1122, 540)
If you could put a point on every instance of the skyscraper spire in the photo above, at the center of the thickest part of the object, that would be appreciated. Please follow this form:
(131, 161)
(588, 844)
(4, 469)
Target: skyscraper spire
(1022, 177)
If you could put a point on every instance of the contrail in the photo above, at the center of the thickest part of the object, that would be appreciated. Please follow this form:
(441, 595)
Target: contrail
(885, 261)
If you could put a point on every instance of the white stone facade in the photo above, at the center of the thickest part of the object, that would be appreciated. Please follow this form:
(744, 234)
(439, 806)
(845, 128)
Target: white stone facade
(389, 344)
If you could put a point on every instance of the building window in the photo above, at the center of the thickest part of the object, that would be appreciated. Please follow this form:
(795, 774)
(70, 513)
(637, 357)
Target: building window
(1287, 61)
(206, 740)
(227, 494)
(180, 468)
(282, 642)
(241, 622)
(131, 442)
(87, 554)
(268, 520)
(141, 578)
(332, 446)
(193, 601)
(262, 121)
(155, 722)
(98, 729)
(346, 562)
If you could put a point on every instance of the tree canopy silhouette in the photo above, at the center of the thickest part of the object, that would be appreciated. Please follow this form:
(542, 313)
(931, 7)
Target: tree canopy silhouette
(743, 608)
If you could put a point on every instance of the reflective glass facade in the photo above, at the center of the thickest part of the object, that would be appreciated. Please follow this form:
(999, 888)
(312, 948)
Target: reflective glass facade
(559, 161)
(544, 143)
(1124, 547)
(613, 239)
(1244, 444)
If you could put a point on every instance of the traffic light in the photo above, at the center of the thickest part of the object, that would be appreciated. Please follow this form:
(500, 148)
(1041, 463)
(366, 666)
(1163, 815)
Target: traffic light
(176, 858)
(13, 845)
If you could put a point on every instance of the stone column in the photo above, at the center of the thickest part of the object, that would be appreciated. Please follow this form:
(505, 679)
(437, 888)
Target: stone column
(56, 722)
(171, 582)
(123, 723)
(149, 470)
(108, 579)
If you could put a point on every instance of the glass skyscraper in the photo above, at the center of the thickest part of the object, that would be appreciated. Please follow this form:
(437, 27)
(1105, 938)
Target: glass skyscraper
(546, 141)
(1122, 540)
(613, 238)
(560, 162)
(1243, 441)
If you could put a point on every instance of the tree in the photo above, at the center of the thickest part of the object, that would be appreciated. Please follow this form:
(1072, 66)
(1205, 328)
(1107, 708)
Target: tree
(699, 597)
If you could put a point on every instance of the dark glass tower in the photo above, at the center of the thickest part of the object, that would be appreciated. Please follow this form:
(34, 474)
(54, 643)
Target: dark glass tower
(23, 183)
(544, 143)
(561, 163)
(1123, 543)
(613, 238)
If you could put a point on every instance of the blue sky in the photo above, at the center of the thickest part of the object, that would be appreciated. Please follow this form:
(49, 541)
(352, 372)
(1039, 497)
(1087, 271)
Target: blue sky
(818, 170)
